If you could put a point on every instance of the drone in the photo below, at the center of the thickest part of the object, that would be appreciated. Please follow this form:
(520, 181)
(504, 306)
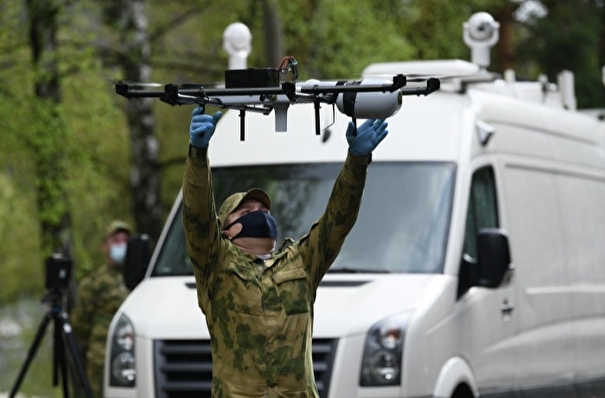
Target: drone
(262, 90)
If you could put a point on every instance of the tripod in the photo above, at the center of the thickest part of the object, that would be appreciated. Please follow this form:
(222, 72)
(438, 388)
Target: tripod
(62, 334)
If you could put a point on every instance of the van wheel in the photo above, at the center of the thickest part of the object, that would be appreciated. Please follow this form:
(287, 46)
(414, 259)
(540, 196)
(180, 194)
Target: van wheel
(462, 391)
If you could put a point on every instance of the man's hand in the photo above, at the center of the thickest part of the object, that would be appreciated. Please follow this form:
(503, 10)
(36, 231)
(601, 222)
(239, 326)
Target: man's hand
(368, 136)
(202, 127)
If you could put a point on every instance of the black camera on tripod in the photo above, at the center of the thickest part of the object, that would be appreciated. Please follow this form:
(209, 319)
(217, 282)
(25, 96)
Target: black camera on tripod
(58, 276)
(58, 273)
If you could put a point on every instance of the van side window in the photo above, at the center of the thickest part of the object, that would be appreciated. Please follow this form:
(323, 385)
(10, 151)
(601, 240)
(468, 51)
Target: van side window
(482, 213)
(482, 208)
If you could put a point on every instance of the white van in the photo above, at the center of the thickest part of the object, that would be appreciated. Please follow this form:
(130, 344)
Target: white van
(476, 266)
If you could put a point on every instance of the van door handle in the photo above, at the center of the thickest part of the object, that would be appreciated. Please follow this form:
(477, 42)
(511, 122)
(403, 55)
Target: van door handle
(506, 307)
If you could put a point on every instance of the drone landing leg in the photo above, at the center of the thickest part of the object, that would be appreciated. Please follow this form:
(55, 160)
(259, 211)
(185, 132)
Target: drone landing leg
(317, 128)
(242, 125)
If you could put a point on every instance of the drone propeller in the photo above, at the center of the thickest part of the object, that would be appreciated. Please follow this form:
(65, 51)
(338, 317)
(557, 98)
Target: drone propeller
(137, 85)
(187, 86)
(422, 78)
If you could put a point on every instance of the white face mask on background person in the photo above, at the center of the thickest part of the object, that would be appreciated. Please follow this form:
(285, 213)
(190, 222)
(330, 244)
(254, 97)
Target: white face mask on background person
(117, 252)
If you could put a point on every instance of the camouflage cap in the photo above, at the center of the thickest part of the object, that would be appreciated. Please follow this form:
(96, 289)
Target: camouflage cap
(117, 226)
(233, 202)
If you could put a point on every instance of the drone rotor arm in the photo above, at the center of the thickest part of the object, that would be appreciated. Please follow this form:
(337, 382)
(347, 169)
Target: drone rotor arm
(130, 91)
(265, 99)
(432, 85)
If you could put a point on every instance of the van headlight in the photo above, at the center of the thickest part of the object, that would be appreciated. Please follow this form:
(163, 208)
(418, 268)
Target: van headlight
(122, 369)
(381, 365)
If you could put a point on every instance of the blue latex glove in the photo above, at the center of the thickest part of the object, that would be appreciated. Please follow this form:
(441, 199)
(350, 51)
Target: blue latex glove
(202, 127)
(369, 135)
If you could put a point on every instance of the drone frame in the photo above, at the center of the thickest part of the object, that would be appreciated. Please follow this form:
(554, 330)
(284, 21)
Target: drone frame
(266, 99)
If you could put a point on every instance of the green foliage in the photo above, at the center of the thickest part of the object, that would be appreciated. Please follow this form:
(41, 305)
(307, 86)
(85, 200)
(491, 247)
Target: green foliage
(85, 136)
(19, 234)
(19, 231)
(335, 48)
(568, 38)
(99, 166)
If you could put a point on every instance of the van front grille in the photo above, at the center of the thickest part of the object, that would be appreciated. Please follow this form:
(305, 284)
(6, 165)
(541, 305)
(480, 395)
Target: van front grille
(183, 368)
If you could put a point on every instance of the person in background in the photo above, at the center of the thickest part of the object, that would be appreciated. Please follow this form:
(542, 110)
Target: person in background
(99, 296)
(258, 301)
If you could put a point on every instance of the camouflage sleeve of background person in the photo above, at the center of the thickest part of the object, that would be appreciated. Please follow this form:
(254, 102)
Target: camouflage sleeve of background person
(83, 313)
(322, 244)
(199, 219)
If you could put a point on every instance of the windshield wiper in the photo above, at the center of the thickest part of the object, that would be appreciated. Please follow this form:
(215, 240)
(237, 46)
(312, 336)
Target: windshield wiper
(358, 271)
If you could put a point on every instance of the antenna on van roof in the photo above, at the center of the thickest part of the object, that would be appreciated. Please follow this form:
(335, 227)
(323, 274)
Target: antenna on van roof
(261, 90)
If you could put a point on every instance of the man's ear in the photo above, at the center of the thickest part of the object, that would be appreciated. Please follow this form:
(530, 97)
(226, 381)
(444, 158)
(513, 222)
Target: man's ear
(233, 231)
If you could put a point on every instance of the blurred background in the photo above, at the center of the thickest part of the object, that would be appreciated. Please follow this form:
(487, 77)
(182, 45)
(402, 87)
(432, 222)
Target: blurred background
(74, 155)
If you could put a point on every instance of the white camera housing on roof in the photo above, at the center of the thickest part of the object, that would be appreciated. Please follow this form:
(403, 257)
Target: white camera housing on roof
(481, 33)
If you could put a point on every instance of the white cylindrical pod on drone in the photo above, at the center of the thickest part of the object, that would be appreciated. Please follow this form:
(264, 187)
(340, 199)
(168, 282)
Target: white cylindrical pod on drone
(360, 102)
(370, 104)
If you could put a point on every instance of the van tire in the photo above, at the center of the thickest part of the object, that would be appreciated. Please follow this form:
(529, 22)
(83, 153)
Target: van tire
(463, 391)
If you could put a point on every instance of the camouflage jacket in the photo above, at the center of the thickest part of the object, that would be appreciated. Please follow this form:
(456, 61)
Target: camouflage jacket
(261, 322)
(100, 294)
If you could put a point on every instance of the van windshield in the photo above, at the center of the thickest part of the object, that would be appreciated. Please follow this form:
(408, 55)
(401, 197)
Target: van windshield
(402, 225)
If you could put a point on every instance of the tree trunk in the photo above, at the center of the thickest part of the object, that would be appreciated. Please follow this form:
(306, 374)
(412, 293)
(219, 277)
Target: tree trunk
(601, 11)
(505, 45)
(47, 133)
(135, 55)
(274, 34)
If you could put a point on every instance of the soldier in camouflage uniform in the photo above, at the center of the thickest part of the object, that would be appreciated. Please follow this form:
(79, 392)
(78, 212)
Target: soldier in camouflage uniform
(100, 294)
(258, 302)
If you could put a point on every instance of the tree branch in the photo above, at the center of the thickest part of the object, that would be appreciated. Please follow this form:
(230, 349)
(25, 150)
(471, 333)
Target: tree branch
(178, 20)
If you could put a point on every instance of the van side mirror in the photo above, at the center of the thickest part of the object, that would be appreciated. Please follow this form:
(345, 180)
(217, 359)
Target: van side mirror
(494, 265)
(138, 255)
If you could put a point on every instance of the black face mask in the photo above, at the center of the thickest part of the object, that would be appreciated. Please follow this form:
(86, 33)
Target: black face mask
(256, 224)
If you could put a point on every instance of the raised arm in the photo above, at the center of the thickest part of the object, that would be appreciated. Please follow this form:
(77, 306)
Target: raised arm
(202, 231)
(326, 237)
